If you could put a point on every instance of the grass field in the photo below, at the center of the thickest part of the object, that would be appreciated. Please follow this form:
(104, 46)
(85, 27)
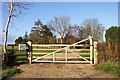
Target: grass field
(21, 55)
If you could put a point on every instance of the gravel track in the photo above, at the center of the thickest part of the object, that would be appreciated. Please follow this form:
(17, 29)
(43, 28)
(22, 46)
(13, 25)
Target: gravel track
(50, 70)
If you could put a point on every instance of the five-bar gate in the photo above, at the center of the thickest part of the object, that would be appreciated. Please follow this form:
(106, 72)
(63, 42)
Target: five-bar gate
(80, 52)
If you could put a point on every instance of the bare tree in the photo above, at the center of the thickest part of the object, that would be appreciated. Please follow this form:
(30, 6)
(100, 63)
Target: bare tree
(60, 26)
(72, 34)
(14, 9)
(74, 30)
(93, 28)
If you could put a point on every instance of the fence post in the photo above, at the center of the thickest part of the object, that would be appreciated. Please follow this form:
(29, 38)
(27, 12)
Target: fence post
(66, 55)
(91, 49)
(30, 52)
(53, 57)
(95, 53)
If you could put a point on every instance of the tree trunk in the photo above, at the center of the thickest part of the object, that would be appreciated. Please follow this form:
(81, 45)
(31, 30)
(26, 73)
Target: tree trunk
(6, 33)
(61, 41)
(6, 28)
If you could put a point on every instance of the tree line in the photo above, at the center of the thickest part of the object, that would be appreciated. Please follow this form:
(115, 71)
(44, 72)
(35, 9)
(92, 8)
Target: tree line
(59, 30)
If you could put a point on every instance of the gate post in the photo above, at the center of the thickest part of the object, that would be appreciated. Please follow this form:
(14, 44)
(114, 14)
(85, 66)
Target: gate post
(91, 49)
(30, 52)
(95, 53)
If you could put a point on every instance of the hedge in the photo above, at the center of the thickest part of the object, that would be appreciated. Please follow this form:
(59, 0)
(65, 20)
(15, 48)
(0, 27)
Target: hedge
(108, 51)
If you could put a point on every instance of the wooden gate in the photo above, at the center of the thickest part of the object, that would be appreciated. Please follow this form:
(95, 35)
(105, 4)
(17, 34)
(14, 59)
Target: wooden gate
(79, 52)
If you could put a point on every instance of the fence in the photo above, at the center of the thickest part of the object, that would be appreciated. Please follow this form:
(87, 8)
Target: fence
(15, 56)
(79, 52)
(64, 50)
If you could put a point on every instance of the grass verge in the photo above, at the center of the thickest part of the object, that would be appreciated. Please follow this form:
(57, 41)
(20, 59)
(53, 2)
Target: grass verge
(111, 67)
(9, 71)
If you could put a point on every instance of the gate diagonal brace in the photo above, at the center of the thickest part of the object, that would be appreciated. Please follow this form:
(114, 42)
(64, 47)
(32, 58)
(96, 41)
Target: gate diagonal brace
(62, 49)
(79, 56)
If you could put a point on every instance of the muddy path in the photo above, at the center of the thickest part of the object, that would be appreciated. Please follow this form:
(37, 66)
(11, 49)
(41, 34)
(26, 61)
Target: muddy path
(50, 70)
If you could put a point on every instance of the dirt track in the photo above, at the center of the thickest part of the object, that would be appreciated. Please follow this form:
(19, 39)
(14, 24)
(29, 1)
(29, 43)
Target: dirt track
(50, 70)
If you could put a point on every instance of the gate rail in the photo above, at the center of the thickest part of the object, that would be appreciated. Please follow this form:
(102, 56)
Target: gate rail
(66, 47)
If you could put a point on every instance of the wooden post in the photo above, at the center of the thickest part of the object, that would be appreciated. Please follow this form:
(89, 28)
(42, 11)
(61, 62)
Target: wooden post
(53, 57)
(30, 52)
(95, 53)
(12, 47)
(66, 55)
(91, 49)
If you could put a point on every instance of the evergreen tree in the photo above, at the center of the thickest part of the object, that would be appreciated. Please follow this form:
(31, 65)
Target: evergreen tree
(20, 40)
(112, 34)
(40, 33)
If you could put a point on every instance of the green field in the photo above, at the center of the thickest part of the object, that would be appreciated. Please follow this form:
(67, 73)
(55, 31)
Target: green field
(24, 53)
